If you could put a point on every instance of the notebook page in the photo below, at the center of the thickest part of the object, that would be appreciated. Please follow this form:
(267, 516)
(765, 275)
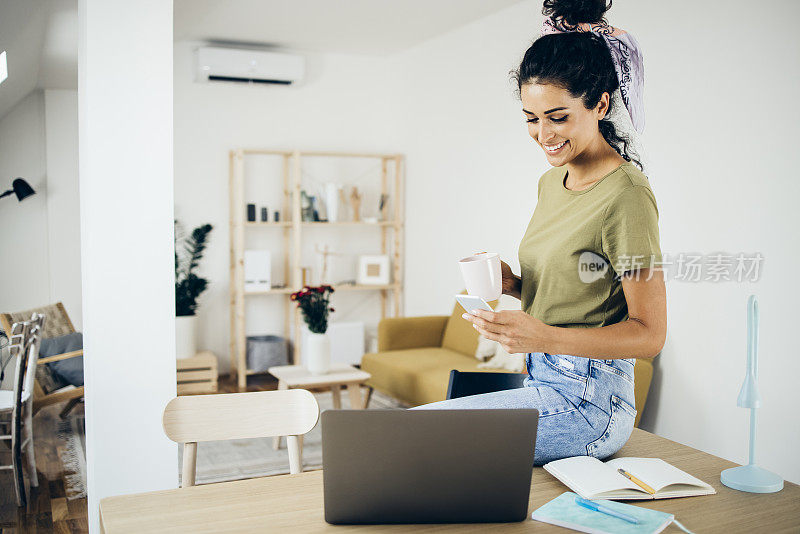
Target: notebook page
(588, 475)
(655, 472)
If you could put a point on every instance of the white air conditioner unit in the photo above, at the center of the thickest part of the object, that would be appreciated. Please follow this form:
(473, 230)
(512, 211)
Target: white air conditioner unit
(248, 66)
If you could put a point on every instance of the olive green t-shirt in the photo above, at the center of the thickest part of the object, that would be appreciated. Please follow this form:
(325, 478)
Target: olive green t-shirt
(578, 243)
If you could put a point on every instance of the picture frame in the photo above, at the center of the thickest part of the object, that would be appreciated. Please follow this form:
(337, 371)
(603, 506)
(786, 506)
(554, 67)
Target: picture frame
(373, 270)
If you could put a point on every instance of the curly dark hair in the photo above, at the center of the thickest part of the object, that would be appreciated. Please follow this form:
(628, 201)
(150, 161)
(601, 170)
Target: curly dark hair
(570, 13)
(579, 62)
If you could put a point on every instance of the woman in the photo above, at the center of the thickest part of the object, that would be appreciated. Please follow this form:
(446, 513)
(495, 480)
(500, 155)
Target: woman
(593, 298)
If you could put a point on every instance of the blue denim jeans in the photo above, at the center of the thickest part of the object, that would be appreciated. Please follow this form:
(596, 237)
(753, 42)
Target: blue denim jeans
(586, 406)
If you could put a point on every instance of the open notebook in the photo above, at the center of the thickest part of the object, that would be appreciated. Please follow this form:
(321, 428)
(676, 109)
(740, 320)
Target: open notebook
(592, 479)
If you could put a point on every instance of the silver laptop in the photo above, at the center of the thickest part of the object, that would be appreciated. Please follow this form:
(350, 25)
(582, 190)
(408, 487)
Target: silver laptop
(427, 466)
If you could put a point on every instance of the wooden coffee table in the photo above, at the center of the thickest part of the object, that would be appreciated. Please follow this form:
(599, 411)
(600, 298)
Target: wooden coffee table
(297, 376)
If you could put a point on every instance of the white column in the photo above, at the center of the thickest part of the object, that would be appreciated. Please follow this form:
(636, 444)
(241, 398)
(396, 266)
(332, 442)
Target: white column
(126, 194)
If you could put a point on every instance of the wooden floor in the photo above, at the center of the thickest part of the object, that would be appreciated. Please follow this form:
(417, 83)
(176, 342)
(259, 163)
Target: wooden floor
(48, 509)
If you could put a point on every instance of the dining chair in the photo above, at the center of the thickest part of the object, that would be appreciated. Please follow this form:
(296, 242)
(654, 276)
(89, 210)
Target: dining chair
(18, 403)
(259, 414)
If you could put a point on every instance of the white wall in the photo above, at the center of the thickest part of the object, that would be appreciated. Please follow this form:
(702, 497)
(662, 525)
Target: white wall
(63, 201)
(448, 105)
(725, 191)
(126, 196)
(24, 282)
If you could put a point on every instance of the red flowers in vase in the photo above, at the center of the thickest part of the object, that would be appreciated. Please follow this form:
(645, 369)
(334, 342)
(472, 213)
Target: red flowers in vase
(314, 302)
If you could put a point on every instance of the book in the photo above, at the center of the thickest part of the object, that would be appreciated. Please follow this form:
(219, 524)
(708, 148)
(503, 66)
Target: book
(592, 479)
(564, 512)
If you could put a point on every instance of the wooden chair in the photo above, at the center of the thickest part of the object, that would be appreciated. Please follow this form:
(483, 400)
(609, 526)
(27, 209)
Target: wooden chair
(261, 414)
(58, 324)
(25, 339)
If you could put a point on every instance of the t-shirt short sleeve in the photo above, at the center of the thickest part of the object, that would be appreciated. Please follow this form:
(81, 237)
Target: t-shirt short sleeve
(629, 235)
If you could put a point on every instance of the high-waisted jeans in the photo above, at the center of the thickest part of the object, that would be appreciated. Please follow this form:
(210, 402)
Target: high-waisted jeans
(586, 406)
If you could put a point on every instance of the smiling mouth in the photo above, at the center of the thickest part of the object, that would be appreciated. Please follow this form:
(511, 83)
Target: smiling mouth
(551, 149)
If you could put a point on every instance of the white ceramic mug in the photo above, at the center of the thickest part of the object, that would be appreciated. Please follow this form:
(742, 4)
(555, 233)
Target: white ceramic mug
(483, 276)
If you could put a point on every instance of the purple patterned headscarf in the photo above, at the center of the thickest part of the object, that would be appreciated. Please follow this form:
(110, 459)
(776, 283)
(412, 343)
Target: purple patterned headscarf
(628, 62)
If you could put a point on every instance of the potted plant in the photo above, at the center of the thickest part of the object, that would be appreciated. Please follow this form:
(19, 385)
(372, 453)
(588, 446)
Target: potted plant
(188, 286)
(314, 303)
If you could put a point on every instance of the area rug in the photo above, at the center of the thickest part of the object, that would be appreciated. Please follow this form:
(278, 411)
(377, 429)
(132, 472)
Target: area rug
(71, 449)
(219, 461)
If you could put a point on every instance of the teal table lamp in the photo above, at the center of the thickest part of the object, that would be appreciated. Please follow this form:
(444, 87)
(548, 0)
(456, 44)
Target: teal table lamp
(750, 477)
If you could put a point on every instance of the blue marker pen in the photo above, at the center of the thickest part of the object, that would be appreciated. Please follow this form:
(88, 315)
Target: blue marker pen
(591, 505)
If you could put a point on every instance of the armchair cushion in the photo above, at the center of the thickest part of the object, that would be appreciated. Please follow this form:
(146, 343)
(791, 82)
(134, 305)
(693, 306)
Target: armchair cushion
(69, 371)
(397, 333)
(415, 376)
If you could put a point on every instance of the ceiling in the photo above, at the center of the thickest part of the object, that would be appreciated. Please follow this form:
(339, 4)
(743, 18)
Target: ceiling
(371, 27)
(41, 36)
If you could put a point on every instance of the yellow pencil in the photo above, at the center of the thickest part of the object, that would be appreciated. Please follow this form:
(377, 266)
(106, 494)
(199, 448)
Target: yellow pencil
(636, 481)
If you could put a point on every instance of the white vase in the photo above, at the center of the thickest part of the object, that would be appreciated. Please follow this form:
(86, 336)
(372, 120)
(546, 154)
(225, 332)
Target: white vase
(185, 344)
(317, 353)
(332, 200)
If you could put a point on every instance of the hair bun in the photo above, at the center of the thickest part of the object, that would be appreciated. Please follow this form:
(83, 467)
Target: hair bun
(574, 12)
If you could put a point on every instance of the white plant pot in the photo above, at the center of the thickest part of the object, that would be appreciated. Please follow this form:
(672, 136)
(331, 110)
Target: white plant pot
(185, 329)
(317, 353)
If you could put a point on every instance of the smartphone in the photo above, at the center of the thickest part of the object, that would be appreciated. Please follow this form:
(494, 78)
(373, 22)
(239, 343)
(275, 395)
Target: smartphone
(470, 302)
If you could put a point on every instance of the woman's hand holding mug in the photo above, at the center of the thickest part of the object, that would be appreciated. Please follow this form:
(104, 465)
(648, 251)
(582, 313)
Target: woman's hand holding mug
(482, 275)
(512, 284)
(487, 276)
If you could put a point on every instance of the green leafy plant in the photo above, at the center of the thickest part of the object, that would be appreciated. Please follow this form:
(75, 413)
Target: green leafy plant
(313, 301)
(188, 253)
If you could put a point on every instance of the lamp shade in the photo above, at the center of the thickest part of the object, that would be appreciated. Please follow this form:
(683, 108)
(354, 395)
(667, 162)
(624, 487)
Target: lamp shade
(22, 189)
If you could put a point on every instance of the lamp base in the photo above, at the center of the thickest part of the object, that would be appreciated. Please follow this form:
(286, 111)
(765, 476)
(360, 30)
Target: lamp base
(752, 479)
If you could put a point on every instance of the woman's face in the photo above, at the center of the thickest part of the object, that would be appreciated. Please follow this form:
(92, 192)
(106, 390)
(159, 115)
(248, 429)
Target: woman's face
(561, 124)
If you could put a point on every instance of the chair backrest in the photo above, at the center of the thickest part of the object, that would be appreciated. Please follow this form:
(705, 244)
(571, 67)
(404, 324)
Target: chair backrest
(58, 322)
(37, 321)
(19, 348)
(465, 383)
(259, 414)
(20, 343)
(26, 339)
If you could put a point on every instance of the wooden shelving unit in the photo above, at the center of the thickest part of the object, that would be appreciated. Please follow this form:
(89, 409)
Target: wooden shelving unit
(391, 233)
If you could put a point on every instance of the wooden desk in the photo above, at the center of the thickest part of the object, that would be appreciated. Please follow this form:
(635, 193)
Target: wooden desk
(294, 503)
